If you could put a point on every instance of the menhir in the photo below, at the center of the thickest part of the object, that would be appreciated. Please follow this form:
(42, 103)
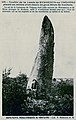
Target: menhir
(42, 72)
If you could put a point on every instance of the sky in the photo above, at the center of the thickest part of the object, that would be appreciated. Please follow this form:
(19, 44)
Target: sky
(19, 41)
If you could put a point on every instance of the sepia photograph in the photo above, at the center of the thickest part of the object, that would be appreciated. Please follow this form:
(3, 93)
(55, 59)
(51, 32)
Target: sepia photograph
(40, 93)
(38, 59)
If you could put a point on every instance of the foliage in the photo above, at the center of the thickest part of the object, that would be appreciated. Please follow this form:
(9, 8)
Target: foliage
(16, 101)
(13, 93)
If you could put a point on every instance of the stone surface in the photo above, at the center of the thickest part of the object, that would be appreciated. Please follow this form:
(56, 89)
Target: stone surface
(42, 71)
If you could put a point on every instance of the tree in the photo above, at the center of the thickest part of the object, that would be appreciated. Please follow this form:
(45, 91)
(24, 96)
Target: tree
(13, 93)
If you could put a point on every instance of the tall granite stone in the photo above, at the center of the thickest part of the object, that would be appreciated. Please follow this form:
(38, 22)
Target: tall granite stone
(42, 71)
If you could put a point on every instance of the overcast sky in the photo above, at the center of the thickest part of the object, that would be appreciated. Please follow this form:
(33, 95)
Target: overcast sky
(19, 38)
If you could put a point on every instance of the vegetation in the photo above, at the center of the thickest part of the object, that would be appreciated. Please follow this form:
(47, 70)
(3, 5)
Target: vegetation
(13, 93)
(16, 101)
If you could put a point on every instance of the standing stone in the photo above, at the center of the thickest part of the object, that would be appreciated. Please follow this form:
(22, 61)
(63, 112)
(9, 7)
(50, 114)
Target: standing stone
(42, 71)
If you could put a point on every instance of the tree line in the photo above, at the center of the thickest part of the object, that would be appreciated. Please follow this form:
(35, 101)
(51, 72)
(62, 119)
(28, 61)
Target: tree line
(16, 101)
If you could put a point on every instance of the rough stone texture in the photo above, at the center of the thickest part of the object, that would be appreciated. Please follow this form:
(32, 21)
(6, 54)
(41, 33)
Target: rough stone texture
(42, 70)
